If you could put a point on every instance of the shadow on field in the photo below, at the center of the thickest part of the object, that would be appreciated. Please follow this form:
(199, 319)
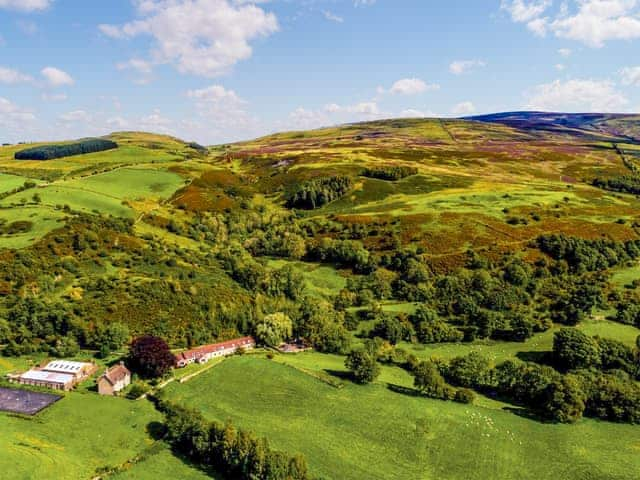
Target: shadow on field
(543, 358)
(412, 392)
(341, 374)
(156, 430)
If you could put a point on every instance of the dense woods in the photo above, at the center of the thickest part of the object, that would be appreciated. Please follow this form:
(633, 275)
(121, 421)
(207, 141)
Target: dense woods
(319, 192)
(391, 173)
(623, 184)
(50, 152)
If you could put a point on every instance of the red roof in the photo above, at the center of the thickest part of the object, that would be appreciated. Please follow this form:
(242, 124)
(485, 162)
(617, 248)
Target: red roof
(215, 347)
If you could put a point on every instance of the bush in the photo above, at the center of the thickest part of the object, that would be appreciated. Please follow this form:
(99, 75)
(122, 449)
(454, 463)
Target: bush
(137, 390)
(465, 395)
(363, 366)
(49, 152)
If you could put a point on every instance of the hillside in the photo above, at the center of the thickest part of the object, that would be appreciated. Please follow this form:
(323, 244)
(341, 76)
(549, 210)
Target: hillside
(412, 240)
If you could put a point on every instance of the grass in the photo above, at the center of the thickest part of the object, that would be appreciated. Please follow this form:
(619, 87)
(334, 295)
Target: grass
(130, 183)
(320, 280)
(158, 465)
(499, 351)
(9, 182)
(43, 219)
(105, 192)
(370, 432)
(72, 439)
(625, 276)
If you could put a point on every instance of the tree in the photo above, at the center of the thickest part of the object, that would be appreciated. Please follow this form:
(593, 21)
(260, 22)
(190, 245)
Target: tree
(471, 371)
(150, 357)
(390, 328)
(274, 329)
(322, 326)
(110, 337)
(363, 365)
(427, 379)
(573, 349)
(564, 400)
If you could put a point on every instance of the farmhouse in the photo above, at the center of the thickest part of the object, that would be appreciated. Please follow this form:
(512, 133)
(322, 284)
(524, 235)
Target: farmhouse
(57, 374)
(207, 352)
(114, 380)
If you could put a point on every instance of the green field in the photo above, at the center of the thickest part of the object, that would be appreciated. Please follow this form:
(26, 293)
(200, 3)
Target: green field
(73, 438)
(370, 432)
(43, 219)
(541, 342)
(320, 280)
(10, 182)
(157, 465)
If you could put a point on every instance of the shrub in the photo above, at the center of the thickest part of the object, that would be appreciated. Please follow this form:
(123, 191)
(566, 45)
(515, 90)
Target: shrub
(465, 395)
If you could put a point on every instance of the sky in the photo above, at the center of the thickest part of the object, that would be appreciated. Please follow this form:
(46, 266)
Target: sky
(218, 71)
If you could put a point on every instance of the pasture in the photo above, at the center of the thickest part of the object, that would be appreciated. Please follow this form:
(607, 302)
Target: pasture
(371, 432)
(10, 182)
(74, 438)
(320, 280)
(41, 220)
(157, 464)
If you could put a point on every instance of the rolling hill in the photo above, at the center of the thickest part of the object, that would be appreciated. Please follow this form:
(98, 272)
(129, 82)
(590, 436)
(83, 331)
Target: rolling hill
(439, 237)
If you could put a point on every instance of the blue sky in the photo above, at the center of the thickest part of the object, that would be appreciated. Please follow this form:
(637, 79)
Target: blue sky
(223, 70)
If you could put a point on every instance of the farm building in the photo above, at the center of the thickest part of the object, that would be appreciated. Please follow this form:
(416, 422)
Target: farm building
(207, 352)
(114, 380)
(57, 374)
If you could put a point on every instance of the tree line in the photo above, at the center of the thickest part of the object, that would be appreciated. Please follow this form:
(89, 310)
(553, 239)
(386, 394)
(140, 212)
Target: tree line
(391, 173)
(235, 452)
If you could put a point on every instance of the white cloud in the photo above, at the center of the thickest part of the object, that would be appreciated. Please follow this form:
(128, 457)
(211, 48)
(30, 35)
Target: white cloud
(26, 5)
(201, 37)
(538, 26)
(413, 113)
(560, 67)
(15, 121)
(362, 108)
(137, 64)
(363, 3)
(592, 22)
(8, 76)
(75, 116)
(215, 94)
(464, 108)
(565, 52)
(332, 17)
(56, 77)
(597, 21)
(411, 86)
(576, 96)
(463, 66)
(11, 111)
(524, 11)
(630, 76)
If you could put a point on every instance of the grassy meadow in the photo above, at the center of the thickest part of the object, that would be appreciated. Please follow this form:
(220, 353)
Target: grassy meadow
(74, 438)
(370, 432)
